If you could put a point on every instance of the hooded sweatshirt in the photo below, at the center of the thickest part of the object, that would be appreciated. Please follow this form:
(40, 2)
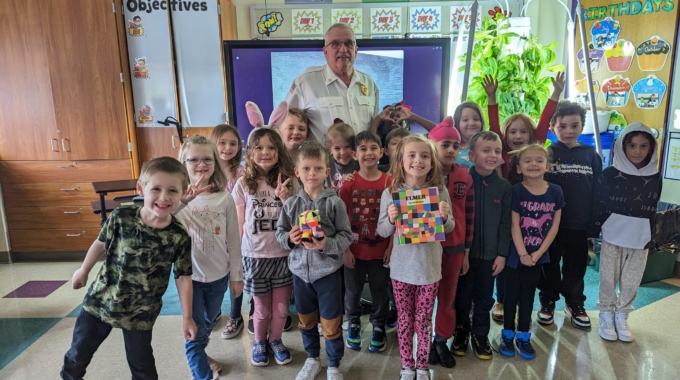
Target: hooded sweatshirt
(627, 197)
(313, 265)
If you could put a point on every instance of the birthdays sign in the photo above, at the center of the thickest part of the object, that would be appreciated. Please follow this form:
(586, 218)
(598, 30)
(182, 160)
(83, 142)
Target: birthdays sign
(426, 19)
(307, 21)
(461, 17)
(385, 20)
(351, 17)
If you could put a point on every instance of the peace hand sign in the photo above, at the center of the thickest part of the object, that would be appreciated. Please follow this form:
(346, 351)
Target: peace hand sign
(193, 191)
(281, 190)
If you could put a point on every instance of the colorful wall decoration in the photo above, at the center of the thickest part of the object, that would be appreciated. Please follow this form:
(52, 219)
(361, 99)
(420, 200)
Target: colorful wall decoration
(385, 20)
(308, 21)
(425, 19)
(351, 17)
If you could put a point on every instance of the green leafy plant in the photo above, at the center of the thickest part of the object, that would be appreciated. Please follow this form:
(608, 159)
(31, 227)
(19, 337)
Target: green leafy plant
(521, 86)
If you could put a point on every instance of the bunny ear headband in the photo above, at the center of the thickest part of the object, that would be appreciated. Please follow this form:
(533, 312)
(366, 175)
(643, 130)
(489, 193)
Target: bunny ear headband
(257, 120)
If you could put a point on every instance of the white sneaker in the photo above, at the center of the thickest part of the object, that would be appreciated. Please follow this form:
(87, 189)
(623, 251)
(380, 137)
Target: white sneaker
(407, 374)
(607, 331)
(622, 328)
(309, 371)
(422, 374)
(320, 329)
(333, 374)
(345, 323)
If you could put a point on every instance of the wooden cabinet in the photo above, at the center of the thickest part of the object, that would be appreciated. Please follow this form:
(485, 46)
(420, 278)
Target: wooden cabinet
(158, 142)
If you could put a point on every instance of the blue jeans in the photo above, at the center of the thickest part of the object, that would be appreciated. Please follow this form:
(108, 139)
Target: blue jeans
(208, 297)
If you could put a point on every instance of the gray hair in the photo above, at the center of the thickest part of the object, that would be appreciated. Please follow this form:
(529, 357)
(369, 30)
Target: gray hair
(339, 25)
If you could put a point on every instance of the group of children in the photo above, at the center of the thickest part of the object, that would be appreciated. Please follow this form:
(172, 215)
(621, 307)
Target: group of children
(509, 207)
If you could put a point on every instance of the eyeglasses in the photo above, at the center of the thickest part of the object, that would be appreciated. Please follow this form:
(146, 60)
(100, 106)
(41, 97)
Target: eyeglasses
(349, 44)
(196, 161)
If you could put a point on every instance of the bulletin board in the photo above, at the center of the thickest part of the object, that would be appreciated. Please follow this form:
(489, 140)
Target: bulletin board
(632, 49)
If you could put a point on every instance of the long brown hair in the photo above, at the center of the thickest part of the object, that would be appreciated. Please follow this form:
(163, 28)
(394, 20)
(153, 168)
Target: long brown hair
(218, 180)
(434, 176)
(235, 161)
(284, 165)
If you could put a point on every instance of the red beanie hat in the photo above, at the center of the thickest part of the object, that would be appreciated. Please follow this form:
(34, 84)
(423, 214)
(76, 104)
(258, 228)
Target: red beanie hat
(444, 131)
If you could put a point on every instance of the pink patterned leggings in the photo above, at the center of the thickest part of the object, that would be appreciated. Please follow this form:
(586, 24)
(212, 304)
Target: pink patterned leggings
(414, 306)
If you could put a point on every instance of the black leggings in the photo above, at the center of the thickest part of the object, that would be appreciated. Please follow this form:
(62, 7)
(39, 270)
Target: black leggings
(520, 288)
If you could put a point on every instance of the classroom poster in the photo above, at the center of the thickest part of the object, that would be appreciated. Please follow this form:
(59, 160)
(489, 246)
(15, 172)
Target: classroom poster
(425, 19)
(419, 219)
(351, 17)
(461, 17)
(385, 20)
(308, 21)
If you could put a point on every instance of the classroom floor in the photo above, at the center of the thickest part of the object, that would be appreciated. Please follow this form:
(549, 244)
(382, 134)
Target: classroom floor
(38, 309)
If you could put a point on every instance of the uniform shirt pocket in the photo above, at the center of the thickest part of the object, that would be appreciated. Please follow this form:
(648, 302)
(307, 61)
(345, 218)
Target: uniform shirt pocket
(366, 108)
(331, 107)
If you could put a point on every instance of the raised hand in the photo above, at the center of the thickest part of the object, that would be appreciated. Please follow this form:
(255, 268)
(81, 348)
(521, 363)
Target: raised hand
(403, 113)
(193, 191)
(558, 84)
(490, 85)
(281, 190)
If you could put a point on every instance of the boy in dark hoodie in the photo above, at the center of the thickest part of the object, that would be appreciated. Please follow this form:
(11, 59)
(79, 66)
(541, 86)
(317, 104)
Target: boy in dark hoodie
(315, 264)
(575, 168)
(625, 204)
(490, 246)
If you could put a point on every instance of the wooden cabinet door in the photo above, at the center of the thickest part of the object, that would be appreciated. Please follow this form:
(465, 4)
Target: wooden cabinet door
(27, 120)
(84, 61)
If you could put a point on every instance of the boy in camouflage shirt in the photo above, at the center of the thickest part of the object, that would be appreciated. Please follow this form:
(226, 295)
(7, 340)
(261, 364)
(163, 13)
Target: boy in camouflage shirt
(141, 244)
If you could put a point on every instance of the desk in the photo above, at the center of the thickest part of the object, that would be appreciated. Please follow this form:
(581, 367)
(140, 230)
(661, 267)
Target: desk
(103, 188)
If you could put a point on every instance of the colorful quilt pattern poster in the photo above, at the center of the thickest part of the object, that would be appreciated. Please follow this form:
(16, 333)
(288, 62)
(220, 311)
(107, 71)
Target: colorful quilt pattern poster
(385, 20)
(461, 16)
(419, 218)
(308, 21)
(351, 17)
(426, 19)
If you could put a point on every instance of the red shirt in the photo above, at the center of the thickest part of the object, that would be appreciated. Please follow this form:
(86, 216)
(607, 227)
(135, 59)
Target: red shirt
(362, 199)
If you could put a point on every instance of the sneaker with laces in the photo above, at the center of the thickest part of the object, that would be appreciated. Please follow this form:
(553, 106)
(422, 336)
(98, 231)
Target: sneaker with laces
(353, 341)
(259, 357)
(482, 347)
(251, 326)
(289, 323)
(392, 319)
(422, 374)
(497, 312)
(546, 314)
(461, 340)
(378, 340)
(579, 317)
(309, 371)
(440, 354)
(407, 374)
(333, 373)
(507, 344)
(622, 329)
(606, 327)
(523, 341)
(233, 328)
(281, 354)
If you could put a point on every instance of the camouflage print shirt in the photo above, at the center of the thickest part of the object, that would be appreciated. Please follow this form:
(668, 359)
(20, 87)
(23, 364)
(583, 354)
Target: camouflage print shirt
(127, 292)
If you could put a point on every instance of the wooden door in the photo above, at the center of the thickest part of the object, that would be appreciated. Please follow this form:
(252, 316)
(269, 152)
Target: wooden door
(27, 117)
(161, 141)
(87, 91)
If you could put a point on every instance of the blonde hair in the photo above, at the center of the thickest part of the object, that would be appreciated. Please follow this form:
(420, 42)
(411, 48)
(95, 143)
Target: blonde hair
(340, 130)
(434, 176)
(166, 165)
(218, 180)
(528, 123)
(235, 161)
(283, 166)
(314, 151)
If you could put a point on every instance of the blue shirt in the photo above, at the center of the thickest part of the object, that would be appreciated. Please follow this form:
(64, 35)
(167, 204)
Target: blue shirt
(536, 215)
(464, 158)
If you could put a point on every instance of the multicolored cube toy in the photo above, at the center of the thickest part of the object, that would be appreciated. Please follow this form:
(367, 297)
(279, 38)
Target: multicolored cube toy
(310, 225)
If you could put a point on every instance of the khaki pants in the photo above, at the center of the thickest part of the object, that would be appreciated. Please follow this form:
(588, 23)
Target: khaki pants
(622, 266)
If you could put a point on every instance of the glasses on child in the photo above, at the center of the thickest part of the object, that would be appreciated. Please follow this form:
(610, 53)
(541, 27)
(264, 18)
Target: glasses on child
(349, 44)
(196, 161)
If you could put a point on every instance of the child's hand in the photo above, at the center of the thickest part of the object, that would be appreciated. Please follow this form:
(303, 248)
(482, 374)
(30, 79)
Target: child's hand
(189, 327)
(444, 209)
(490, 85)
(281, 190)
(392, 213)
(386, 115)
(527, 260)
(348, 259)
(295, 235)
(79, 278)
(349, 177)
(466, 266)
(558, 83)
(386, 256)
(193, 191)
(498, 265)
(315, 245)
(404, 114)
(236, 288)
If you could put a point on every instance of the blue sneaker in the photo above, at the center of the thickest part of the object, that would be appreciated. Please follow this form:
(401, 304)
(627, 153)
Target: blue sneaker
(378, 340)
(354, 337)
(281, 354)
(259, 357)
(523, 341)
(507, 344)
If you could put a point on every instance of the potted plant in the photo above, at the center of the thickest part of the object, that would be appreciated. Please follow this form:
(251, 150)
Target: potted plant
(521, 86)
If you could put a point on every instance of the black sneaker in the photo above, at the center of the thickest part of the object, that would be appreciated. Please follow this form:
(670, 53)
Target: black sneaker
(579, 317)
(251, 326)
(482, 347)
(545, 314)
(289, 323)
(353, 341)
(461, 340)
(378, 340)
(440, 354)
(392, 319)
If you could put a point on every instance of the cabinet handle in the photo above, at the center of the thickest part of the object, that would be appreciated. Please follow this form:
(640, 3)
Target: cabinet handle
(71, 212)
(74, 235)
(63, 146)
(68, 189)
(52, 145)
(173, 142)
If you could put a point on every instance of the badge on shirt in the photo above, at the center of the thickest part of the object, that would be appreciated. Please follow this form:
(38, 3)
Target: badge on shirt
(292, 87)
(364, 89)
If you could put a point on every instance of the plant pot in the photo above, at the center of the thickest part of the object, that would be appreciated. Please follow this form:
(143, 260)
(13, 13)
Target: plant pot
(602, 121)
(521, 26)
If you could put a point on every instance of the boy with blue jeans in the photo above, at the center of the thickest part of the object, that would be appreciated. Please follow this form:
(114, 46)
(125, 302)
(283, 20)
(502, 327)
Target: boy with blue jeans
(316, 262)
(141, 245)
